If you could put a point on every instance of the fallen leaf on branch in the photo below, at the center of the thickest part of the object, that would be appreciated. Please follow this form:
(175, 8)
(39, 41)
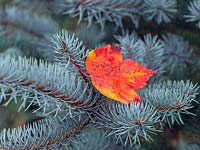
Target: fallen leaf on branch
(114, 77)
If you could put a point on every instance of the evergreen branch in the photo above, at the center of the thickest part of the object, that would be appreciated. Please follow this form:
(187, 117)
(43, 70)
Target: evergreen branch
(92, 36)
(26, 30)
(71, 53)
(20, 27)
(175, 106)
(154, 50)
(177, 55)
(43, 134)
(41, 7)
(106, 10)
(194, 146)
(27, 22)
(94, 139)
(14, 39)
(160, 11)
(14, 52)
(130, 45)
(194, 9)
(149, 52)
(171, 99)
(128, 123)
(46, 85)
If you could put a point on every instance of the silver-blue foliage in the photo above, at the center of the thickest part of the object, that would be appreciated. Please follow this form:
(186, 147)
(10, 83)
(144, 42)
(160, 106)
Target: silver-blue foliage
(41, 7)
(149, 51)
(70, 52)
(49, 133)
(161, 11)
(91, 36)
(154, 52)
(104, 10)
(26, 30)
(55, 90)
(194, 10)
(14, 52)
(171, 99)
(13, 16)
(94, 139)
(47, 86)
(128, 123)
(177, 54)
(194, 146)
(130, 46)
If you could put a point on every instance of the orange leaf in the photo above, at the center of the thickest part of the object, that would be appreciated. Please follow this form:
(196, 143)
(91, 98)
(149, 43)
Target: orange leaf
(114, 77)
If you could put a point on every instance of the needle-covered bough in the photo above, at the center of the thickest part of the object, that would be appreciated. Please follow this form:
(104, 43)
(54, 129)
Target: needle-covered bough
(96, 95)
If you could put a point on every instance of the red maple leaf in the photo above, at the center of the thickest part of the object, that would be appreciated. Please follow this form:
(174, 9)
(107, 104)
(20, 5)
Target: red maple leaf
(114, 77)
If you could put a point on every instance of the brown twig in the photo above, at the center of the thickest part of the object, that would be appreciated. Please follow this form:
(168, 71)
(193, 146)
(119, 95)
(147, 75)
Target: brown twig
(44, 89)
(140, 122)
(73, 62)
(176, 106)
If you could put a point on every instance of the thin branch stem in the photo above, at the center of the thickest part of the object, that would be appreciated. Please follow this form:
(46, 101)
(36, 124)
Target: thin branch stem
(51, 93)
(23, 28)
(73, 62)
(57, 139)
(176, 106)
